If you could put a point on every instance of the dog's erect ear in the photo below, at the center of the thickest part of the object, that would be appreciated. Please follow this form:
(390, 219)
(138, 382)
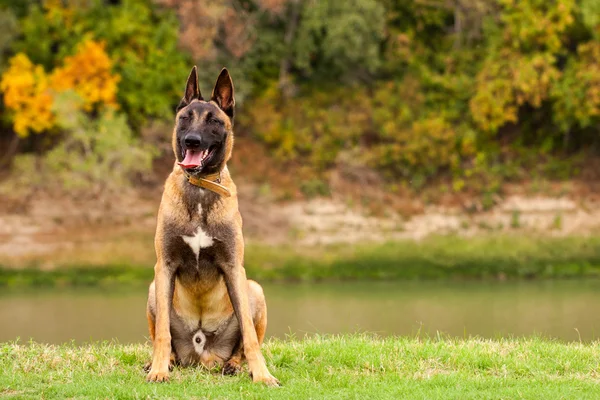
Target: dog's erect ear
(223, 93)
(192, 90)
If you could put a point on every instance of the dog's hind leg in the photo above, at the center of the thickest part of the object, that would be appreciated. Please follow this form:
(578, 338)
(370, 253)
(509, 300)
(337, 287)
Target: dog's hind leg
(150, 311)
(234, 364)
(258, 306)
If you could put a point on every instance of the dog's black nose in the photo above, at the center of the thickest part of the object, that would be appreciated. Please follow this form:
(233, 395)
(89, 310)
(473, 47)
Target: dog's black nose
(192, 141)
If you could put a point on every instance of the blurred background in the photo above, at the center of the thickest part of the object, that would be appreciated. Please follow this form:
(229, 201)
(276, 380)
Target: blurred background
(404, 167)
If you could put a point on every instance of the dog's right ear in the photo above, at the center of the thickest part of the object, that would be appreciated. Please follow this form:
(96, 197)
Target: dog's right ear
(192, 90)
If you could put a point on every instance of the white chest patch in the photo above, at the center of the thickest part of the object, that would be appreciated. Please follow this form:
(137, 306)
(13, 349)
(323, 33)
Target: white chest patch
(199, 240)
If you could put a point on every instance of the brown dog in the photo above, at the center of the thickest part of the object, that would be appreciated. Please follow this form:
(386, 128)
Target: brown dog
(201, 308)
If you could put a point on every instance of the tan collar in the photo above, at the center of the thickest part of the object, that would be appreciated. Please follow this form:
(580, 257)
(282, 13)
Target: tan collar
(210, 182)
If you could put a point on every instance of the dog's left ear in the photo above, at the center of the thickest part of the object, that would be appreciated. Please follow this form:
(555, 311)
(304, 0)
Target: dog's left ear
(223, 93)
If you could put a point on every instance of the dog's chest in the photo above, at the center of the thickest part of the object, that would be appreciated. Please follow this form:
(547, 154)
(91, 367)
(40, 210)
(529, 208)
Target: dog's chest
(200, 238)
(192, 245)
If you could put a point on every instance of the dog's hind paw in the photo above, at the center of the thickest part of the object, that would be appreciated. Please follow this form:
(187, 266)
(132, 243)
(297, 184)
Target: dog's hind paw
(231, 368)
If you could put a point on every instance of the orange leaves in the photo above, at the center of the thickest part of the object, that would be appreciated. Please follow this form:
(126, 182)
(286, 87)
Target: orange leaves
(29, 92)
(88, 74)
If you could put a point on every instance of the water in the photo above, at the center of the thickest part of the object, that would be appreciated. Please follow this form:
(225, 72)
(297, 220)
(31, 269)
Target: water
(567, 310)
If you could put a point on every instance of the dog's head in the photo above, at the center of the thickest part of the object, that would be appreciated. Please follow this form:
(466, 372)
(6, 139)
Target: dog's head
(203, 135)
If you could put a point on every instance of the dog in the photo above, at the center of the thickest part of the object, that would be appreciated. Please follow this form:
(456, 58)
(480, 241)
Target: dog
(201, 307)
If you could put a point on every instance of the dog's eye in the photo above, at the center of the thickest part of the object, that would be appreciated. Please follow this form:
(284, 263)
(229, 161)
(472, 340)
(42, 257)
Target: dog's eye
(215, 121)
(184, 117)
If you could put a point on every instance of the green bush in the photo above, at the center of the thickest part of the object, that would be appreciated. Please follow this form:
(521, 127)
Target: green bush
(94, 155)
(444, 95)
(470, 92)
(141, 39)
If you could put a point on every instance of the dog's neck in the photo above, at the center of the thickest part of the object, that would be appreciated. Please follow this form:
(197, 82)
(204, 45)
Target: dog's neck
(210, 182)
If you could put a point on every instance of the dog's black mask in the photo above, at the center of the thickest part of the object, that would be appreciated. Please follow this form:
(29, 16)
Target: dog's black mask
(203, 136)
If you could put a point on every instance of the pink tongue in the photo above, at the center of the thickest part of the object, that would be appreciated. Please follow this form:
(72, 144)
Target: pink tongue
(192, 159)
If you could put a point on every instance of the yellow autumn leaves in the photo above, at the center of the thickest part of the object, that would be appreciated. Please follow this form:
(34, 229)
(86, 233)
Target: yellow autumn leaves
(88, 73)
(29, 92)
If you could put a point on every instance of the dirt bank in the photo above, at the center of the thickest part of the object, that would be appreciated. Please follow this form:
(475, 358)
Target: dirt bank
(54, 228)
(275, 211)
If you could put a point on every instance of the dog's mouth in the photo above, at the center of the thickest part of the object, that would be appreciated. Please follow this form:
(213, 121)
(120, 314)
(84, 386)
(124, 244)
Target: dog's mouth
(195, 158)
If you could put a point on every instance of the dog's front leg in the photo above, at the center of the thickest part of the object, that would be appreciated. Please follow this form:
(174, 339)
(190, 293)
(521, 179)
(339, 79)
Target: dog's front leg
(163, 278)
(235, 279)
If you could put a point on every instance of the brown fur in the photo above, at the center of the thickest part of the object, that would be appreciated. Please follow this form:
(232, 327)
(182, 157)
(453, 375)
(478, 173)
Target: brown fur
(207, 291)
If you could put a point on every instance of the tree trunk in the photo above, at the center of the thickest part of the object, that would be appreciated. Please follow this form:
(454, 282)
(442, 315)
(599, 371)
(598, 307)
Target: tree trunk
(457, 25)
(286, 86)
(10, 152)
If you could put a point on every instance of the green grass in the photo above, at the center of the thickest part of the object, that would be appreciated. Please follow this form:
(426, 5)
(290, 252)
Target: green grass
(89, 275)
(447, 257)
(441, 257)
(336, 367)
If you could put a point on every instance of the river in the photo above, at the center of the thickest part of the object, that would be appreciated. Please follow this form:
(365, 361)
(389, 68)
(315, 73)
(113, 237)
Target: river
(566, 310)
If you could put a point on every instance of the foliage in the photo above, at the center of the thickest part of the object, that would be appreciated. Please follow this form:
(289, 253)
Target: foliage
(469, 92)
(140, 39)
(590, 14)
(317, 127)
(29, 92)
(95, 154)
(506, 84)
(442, 99)
(386, 129)
(88, 73)
(345, 34)
(9, 24)
(536, 24)
(109, 57)
(577, 95)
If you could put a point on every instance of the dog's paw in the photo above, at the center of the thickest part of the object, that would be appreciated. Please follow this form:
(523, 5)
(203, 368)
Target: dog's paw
(267, 379)
(148, 366)
(231, 368)
(158, 376)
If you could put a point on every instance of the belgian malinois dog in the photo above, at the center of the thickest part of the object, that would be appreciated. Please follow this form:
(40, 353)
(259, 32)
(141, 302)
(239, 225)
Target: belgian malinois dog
(201, 308)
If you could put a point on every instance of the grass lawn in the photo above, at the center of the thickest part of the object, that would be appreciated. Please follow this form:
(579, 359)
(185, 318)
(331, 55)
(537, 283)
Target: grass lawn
(336, 367)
